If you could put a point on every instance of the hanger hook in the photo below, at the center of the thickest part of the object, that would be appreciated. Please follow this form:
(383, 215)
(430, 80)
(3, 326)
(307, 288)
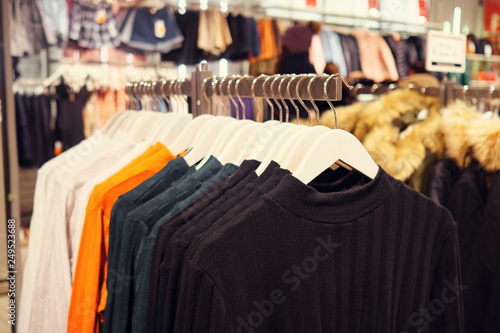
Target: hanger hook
(134, 91)
(138, 95)
(165, 97)
(287, 118)
(294, 76)
(267, 97)
(207, 99)
(179, 88)
(325, 91)
(216, 94)
(175, 89)
(239, 97)
(254, 81)
(154, 95)
(173, 93)
(273, 92)
(147, 94)
(179, 91)
(128, 91)
(302, 78)
(141, 94)
(224, 101)
(221, 93)
(490, 98)
(231, 99)
(311, 98)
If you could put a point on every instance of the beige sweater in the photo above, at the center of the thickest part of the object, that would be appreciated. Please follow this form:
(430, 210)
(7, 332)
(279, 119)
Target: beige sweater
(377, 61)
(213, 33)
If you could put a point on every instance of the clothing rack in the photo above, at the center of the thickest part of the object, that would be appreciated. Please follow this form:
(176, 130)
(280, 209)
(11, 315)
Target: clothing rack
(242, 7)
(202, 86)
(29, 86)
(135, 63)
(480, 93)
(277, 86)
(378, 89)
(189, 87)
(296, 14)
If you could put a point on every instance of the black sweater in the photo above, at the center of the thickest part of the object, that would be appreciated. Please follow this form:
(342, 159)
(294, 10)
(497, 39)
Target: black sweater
(377, 257)
(481, 272)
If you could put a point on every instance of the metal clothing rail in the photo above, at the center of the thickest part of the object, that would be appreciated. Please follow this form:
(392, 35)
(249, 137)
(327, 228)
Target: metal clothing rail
(189, 87)
(480, 93)
(447, 92)
(277, 86)
(325, 13)
(202, 85)
(377, 89)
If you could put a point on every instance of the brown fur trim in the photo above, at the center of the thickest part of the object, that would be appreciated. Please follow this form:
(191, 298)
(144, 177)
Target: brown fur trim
(483, 136)
(457, 118)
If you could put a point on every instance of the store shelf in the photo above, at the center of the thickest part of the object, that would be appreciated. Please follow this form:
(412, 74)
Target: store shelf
(482, 57)
(483, 84)
(291, 11)
(274, 9)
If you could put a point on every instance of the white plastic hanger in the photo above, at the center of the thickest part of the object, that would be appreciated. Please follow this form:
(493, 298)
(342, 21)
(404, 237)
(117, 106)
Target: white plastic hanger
(278, 143)
(237, 136)
(178, 124)
(257, 145)
(203, 143)
(170, 124)
(304, 140)
(244, 131)
(224, 137)
(140, 127)
(335, 147)
(206, 137)
(123, 120)
(289, 146)
(259, 139)
(116, 120)
(187, 137)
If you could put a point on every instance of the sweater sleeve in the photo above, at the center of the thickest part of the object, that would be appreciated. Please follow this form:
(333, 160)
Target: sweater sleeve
(209, 311)
(87, 281)
(445, 307)
(200, 306)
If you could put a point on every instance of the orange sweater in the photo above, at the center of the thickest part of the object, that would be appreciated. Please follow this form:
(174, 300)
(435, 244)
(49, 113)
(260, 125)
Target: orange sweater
(89, 294)
(268, 48)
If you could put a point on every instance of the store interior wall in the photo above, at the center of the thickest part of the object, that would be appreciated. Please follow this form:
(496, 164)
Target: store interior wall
(442, 10)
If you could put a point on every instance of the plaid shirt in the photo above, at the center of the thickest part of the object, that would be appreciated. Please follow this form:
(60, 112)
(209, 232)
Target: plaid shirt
(29, 28)
(85, 29)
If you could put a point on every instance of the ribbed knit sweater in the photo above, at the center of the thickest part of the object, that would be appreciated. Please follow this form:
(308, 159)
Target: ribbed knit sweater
(374, 257)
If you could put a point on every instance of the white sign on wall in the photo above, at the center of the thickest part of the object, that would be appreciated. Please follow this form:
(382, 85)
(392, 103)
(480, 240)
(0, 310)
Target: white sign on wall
(445, 52)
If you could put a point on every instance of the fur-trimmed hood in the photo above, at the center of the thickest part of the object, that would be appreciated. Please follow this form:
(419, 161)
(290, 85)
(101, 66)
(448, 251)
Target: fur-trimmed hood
(391, 130)
(399, 142)
(467, 131)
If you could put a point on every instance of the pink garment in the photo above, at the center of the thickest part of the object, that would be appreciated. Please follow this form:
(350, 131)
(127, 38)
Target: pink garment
(106, 103)
(316, 56)
(121, 100)
(376, 57)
